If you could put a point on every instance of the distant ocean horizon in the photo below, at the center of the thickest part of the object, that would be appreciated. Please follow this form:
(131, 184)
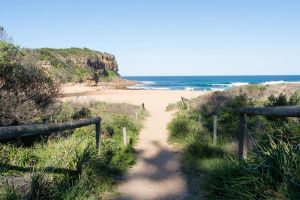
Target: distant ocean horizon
(206, 83)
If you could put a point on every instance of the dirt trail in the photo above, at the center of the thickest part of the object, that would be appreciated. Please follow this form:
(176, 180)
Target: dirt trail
(156, 175)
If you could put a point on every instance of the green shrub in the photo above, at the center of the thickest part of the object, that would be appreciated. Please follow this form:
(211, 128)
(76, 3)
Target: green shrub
(27, 92)
(178, 128)
(84, 112)
(118, 122)
(9, 193)
(201, 147)
(273, 173)
(185, 127)
(271, 170)
(228, 115)
(115, 156)
(68, 166)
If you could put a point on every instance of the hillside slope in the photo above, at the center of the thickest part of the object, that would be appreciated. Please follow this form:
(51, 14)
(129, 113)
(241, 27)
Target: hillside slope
(75, 64)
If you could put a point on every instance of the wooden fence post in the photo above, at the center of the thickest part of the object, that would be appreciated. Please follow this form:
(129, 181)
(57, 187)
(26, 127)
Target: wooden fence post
(124, 136)
(215, 128)
(98, 134)
(182, 102)
(243, 137)
(136, 115)
(185, 103)
(143, 106)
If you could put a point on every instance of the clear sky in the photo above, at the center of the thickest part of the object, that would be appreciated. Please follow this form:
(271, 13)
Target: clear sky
(167, 37)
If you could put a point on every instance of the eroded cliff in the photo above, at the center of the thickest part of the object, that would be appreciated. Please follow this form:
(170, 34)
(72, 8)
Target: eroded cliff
(76, 64)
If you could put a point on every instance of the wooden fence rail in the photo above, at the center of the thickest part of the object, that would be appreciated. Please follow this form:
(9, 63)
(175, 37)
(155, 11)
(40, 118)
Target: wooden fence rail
(9, 132)
(278, 111)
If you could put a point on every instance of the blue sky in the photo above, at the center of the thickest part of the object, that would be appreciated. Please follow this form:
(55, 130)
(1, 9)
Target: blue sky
(167, 37)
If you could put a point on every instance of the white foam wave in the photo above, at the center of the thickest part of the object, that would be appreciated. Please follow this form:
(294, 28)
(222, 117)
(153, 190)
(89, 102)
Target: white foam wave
(148, 82)
(217, 89)
(278, 82)
(137, 87)
(157, 88)
(239, 84)
(189, 88)
(272, 82)
(220, 84)
(230, 84)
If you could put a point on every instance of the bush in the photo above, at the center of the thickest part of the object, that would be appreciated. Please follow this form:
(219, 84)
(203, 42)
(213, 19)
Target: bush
(118, 122)
(84, 112)
(26, 92)
(179, 127)
(228, 116)
(273, 173)
(68, 166)
(272, 168)
(183, 126)
(201, 147)
(9, 54)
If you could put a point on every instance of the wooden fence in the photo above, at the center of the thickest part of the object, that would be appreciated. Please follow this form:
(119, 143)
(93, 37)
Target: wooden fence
(279, 111)
(9, 132)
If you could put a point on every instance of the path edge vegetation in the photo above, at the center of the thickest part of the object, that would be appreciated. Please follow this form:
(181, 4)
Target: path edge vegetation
(63, 165)
(272, 169)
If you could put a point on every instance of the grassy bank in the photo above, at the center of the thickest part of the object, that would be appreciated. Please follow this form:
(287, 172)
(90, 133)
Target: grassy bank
(67, 165)
(75, 64)
(271, 170)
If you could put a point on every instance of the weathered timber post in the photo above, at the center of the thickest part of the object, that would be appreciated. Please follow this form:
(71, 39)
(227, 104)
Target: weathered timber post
(136, 115)
(188, 105)
(185, 103)
(143, 106)
(124, 136)
(243, 137)
(215, 128)
(97, 124)
(182, 102)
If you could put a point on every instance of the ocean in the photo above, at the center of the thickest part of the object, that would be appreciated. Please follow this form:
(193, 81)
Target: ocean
(206, 83)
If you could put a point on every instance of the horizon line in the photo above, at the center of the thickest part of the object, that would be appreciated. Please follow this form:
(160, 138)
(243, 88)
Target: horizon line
(210, 75)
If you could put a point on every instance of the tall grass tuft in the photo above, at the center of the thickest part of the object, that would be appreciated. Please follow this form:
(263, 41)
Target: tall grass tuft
(68, 166)
(272, 169)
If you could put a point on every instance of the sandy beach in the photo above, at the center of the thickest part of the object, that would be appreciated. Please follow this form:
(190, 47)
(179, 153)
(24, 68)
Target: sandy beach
(156, 174)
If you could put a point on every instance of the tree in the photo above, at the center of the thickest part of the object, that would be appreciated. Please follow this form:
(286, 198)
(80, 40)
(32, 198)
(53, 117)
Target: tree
(96, 77)
(9, 53)
(4, 35)
(26, 90)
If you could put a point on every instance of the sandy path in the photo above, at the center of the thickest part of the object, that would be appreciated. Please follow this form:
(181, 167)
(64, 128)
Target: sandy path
(156, 174)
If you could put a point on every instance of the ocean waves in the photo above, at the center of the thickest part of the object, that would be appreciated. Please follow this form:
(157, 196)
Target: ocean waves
(206, 83)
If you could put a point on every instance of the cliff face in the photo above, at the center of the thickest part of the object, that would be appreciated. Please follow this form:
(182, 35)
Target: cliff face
(98, 61)
(76, 64)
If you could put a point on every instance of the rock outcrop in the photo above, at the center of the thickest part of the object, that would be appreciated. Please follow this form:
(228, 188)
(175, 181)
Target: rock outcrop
(102, 61)
(76, 64)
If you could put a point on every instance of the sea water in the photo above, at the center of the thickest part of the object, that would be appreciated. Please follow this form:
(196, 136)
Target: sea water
(209, 83)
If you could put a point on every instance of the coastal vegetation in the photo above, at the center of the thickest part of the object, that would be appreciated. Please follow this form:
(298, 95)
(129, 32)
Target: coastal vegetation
(64, 65)
(76, 64)
(67, 165)
(271, 170)
(63, 165)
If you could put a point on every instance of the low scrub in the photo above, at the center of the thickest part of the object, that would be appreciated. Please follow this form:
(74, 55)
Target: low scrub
(27, 92)
(271, 171)
(68, 166)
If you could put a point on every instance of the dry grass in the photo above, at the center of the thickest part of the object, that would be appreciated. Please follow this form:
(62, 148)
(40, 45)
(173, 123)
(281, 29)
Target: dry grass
(256, 92)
